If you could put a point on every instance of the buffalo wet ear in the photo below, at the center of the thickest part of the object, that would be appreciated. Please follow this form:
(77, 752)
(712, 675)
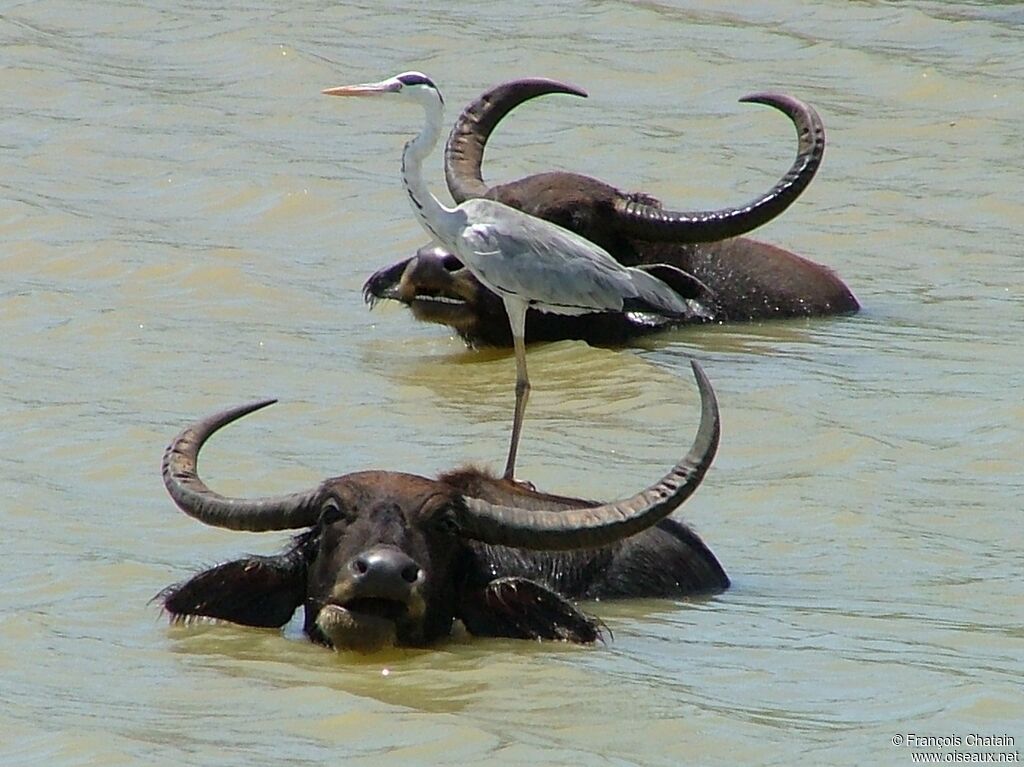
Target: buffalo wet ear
(256, 591)
(519, 608)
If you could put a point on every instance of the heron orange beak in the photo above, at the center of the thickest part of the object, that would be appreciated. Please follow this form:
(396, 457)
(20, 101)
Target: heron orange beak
(365, 89)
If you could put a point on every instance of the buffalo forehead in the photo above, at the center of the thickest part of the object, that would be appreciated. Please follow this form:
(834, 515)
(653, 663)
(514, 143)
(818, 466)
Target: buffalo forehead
(409, 492)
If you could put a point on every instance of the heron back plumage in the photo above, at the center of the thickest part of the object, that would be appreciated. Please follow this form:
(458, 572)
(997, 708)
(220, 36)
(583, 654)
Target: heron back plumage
(553, 269)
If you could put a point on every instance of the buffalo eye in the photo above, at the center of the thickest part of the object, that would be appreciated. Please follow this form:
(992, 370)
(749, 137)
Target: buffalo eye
(331, 512)
(446, 523)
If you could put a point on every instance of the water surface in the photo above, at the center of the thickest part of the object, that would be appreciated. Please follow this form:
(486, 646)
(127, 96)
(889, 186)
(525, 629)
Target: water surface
(186, 224)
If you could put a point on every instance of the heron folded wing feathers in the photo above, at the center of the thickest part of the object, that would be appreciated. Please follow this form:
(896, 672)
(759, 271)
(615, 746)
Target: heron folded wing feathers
(556, 270)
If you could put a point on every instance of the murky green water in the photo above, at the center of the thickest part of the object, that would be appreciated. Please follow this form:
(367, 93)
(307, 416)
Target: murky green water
(185, 223)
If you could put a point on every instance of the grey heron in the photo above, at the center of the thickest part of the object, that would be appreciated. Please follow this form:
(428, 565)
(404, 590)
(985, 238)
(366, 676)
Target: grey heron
(529, 262)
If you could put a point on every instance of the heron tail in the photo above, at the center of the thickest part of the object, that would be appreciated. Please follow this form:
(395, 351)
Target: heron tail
(669, 291)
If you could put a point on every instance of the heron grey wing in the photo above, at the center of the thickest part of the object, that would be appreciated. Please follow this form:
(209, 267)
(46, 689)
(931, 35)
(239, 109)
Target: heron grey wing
(556, 270)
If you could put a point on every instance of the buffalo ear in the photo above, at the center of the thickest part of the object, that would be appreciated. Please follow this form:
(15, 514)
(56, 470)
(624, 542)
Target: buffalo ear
(683, 283)
(522, 609)
(256, 591)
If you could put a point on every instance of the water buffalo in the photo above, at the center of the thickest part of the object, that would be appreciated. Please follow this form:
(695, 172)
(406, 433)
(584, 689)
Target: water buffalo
(749, 279)
(394, 559)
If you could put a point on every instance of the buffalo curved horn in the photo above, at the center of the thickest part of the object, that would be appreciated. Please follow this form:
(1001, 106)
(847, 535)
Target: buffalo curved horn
(468, 139)
(651, 222)
(490, 523)
(605, 524)
(464, 151)
(192, 496)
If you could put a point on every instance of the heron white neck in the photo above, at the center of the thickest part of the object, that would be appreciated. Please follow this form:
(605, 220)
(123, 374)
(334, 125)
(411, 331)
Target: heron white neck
(437, 219)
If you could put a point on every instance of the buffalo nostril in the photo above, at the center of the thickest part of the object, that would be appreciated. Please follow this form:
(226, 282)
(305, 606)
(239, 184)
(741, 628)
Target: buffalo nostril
(452, 264)
(410, 573)
(384, 568)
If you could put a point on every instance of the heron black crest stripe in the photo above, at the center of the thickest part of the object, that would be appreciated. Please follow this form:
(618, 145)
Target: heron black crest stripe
(415, 78)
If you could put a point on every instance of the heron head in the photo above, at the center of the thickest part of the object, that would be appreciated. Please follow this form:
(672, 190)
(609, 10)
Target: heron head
(414, 84)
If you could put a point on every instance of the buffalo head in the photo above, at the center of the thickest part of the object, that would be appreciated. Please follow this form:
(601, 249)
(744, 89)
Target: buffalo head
(390, 558)
(749, 279)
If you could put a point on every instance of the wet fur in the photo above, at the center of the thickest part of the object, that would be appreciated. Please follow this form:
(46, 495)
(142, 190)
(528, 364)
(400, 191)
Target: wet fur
(495, 591)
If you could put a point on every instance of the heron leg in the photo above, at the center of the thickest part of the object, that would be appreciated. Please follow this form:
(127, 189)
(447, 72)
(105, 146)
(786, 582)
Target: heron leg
(522, 395)
(517, 318)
